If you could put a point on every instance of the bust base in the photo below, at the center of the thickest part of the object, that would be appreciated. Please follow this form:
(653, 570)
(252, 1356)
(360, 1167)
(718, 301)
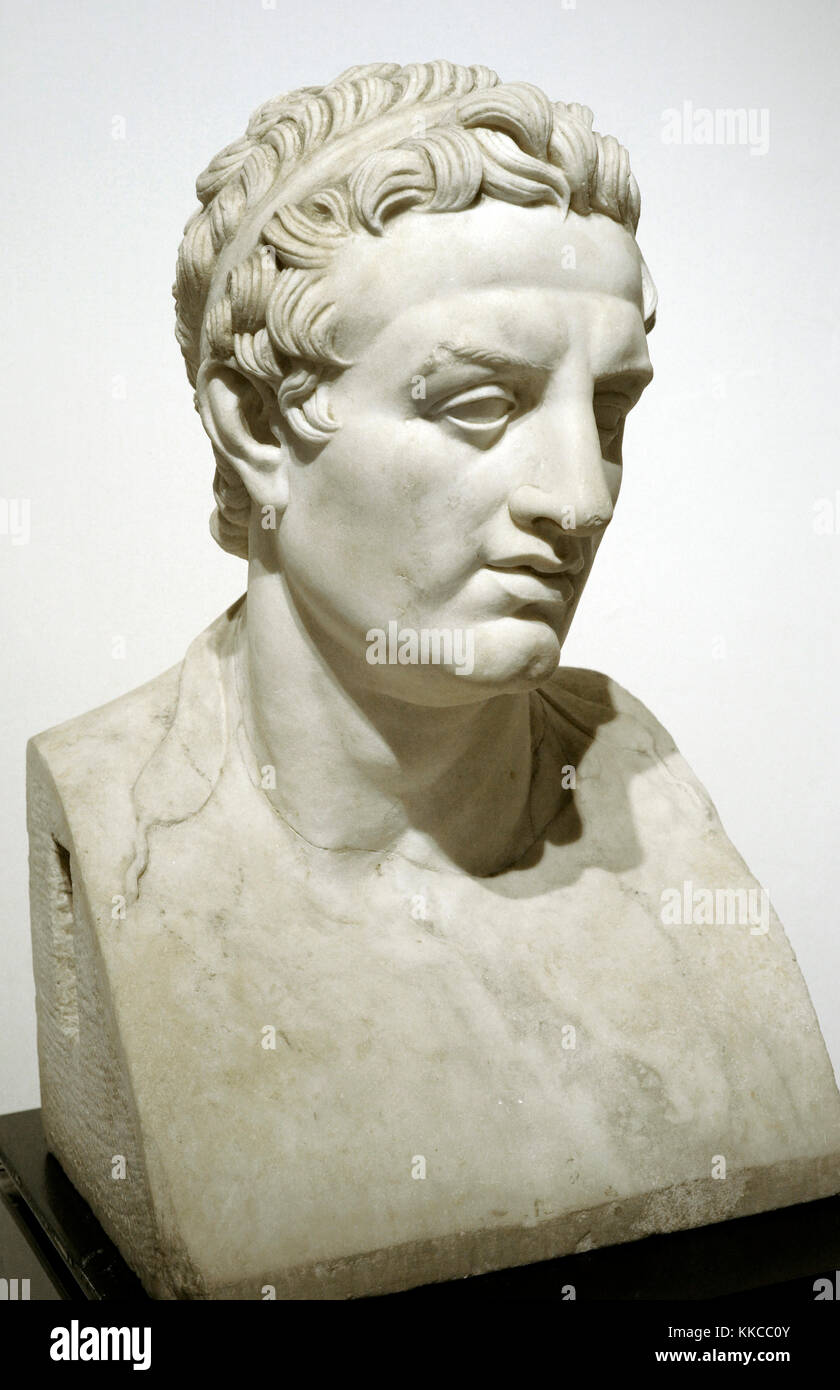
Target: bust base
(777, 1254)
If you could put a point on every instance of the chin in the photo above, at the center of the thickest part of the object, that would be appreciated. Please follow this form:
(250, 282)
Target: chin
(515, 655)
(506, 657)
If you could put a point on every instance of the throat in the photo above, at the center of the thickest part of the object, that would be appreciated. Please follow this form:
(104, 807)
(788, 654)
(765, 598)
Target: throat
(470, 787)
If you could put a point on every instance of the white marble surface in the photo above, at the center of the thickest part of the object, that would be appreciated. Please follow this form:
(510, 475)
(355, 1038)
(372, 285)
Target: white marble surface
(380, 973)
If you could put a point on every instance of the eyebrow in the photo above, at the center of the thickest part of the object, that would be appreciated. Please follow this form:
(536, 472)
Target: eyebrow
(445, 354)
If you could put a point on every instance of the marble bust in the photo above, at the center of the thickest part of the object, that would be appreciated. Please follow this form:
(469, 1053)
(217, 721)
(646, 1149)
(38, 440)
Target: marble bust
(373, 945)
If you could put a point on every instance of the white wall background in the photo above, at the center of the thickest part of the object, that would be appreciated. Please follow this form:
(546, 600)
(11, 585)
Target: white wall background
(714, 599)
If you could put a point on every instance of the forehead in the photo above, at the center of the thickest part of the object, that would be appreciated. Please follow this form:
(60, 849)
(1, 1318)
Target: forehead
(529, 274)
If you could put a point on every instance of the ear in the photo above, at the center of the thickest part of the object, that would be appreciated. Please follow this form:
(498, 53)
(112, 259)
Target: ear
(243, 426)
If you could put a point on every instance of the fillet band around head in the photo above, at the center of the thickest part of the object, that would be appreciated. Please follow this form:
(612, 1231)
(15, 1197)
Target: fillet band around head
(316, 171)
(323, 148)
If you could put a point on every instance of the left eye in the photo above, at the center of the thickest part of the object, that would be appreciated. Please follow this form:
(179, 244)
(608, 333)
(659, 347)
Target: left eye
(609, 410)
(480, 408)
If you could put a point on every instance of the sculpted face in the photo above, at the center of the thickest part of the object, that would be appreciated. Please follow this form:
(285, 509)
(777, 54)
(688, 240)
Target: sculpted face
(497, 352)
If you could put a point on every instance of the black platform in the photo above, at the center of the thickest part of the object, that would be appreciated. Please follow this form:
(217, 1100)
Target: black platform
(50, 1236)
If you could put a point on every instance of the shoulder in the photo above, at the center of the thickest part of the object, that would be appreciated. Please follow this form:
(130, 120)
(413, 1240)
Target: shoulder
(112, 741)
(635, 741)
(594, 701)
(90, 769)
(80, 779)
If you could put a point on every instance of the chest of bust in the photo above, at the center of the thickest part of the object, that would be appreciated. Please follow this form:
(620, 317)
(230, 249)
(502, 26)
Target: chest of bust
(385, 1047)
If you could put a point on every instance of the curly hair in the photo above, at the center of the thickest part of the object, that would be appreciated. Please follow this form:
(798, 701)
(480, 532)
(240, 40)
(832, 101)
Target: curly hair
(324, 163)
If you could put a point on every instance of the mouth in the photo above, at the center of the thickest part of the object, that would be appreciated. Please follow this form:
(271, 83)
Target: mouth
(536, 562)
(556, 579)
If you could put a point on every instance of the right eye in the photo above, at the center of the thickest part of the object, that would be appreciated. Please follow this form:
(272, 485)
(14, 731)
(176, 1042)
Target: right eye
(480, 408)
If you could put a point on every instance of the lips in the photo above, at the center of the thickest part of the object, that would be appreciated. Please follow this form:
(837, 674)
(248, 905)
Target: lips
(526, 581)
(545, 566)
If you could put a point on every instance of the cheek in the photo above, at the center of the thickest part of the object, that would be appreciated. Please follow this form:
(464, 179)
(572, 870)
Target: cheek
(384, 481)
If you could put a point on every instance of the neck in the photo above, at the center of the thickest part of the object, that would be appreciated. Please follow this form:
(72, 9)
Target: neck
(356, 770)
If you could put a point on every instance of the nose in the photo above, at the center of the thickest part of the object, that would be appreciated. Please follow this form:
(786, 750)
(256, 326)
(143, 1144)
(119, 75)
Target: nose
(567, 482)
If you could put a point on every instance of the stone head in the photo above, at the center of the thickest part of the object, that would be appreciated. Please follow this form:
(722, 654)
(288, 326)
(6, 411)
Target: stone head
(414, 312)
